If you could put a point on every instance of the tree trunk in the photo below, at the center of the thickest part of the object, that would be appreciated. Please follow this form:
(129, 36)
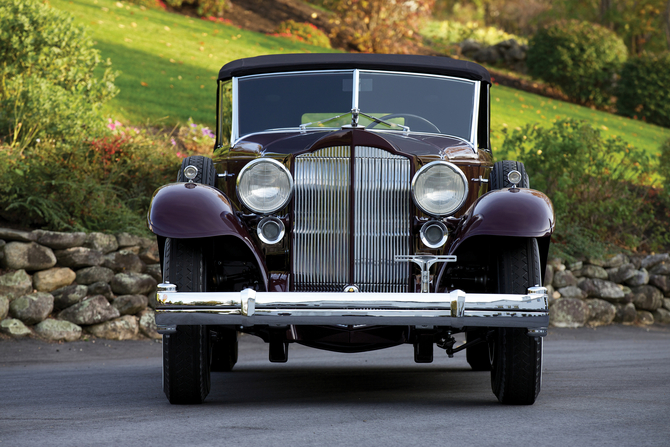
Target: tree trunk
(666, 22)
(605, 6)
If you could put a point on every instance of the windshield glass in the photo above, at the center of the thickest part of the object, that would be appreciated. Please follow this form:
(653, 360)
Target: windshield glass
(282, 101)
(424, 103)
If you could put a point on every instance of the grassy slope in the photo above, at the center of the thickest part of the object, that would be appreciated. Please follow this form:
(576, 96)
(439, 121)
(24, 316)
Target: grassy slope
(177, 57)
(161, 47)
(512, 108)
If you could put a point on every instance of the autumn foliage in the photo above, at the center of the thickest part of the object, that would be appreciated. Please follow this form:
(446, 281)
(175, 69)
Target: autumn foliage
(378, 26)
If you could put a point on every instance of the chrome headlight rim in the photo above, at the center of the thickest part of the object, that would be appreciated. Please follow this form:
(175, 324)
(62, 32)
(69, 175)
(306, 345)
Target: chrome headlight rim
(248, 167)
(457, 171)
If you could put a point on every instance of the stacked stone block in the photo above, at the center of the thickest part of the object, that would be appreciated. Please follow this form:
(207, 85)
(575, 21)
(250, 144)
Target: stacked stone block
(620, 289)
(59, 286)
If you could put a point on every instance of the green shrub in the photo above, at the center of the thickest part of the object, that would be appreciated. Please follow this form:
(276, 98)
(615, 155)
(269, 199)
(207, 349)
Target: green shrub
(101, 185)
(644, 89)
(48, 87)
(595, 184)
(451, 31)
(204, 8)
(580, 58)
(664, 163)
(303, 32)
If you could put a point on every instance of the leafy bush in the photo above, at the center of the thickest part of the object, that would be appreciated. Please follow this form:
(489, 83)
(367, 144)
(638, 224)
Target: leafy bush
(664, 163)
(303, 32)
(48, 65)
(580, 58)
(204, 8)
(195, 138)
(449, 31)
(378, 26)
(101, 185)
(644, 89)
(595, 184)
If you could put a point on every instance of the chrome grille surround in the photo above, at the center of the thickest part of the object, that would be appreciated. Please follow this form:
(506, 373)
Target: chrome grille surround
(382, 220)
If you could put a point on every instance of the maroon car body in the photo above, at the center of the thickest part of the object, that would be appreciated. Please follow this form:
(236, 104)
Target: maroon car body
(312, 198)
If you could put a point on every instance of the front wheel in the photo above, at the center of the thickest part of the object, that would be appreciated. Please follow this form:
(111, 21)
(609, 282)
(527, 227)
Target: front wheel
(516, 358)
(186, 353)
(186, 377)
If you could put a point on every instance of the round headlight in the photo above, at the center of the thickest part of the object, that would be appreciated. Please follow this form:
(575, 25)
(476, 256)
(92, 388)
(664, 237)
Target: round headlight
(264, 185)
(439, 188)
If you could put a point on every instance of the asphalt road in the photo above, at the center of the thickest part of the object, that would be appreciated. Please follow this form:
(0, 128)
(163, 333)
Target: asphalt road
(604, 387)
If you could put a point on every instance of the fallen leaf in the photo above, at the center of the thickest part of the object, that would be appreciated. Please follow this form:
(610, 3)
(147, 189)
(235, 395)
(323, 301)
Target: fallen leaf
(144, 84)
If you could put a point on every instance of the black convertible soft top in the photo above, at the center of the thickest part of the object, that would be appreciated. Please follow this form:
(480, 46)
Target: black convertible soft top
(333, 61)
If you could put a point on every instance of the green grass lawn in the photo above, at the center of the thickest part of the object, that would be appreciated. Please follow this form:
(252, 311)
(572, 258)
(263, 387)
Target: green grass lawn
(169, 65)
(512, 109)
(168, 62)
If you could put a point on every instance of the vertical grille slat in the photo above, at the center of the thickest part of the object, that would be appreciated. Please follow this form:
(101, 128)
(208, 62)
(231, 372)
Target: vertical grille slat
(322, 235)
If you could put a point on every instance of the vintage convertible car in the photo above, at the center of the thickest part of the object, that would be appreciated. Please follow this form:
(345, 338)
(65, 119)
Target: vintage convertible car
(357, 207)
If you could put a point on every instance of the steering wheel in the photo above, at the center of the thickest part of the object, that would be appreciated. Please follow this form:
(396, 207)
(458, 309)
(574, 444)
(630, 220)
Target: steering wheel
(414, 122)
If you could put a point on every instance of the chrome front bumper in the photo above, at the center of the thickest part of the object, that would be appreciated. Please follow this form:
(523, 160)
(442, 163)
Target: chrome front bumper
(454, 309)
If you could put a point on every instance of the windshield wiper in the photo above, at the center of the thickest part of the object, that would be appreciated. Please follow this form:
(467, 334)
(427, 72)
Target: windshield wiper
(356, 112)
(303, 127)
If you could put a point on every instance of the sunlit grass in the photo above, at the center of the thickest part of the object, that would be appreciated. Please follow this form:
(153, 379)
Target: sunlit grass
(513, 109)
(169, 63)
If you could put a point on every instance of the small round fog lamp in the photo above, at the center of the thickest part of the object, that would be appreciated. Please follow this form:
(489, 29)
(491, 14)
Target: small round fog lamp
(514, 178)
(434, 234)
(270, 230)
(190, 172)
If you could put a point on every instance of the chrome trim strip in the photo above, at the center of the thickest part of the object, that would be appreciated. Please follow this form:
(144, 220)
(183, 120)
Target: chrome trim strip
(354, 89)
(455, 308)
(475, 116)
(321, 129)
(234, 124)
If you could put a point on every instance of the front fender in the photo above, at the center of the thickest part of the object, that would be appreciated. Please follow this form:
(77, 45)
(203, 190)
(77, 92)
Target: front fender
(192, 210)
(514, 212)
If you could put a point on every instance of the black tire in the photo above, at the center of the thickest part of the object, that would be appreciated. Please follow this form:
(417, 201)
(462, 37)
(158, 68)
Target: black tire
(478, 355)
(498, 176)
(516, 358)
(186, 353)
(206, 171)
(224, 350)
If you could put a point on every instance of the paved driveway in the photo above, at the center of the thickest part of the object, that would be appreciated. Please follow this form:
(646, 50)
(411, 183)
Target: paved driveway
(608, 386)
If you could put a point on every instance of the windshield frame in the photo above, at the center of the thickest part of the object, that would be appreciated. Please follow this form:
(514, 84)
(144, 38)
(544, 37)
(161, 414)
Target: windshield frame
(234, 132)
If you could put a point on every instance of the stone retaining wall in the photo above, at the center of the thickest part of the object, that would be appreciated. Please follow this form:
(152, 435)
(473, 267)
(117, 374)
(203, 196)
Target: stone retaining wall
(60, 286)
(620, 289)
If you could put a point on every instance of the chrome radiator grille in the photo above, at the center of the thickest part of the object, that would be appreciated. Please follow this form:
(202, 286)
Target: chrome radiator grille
(321, 228)
(381, 220)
